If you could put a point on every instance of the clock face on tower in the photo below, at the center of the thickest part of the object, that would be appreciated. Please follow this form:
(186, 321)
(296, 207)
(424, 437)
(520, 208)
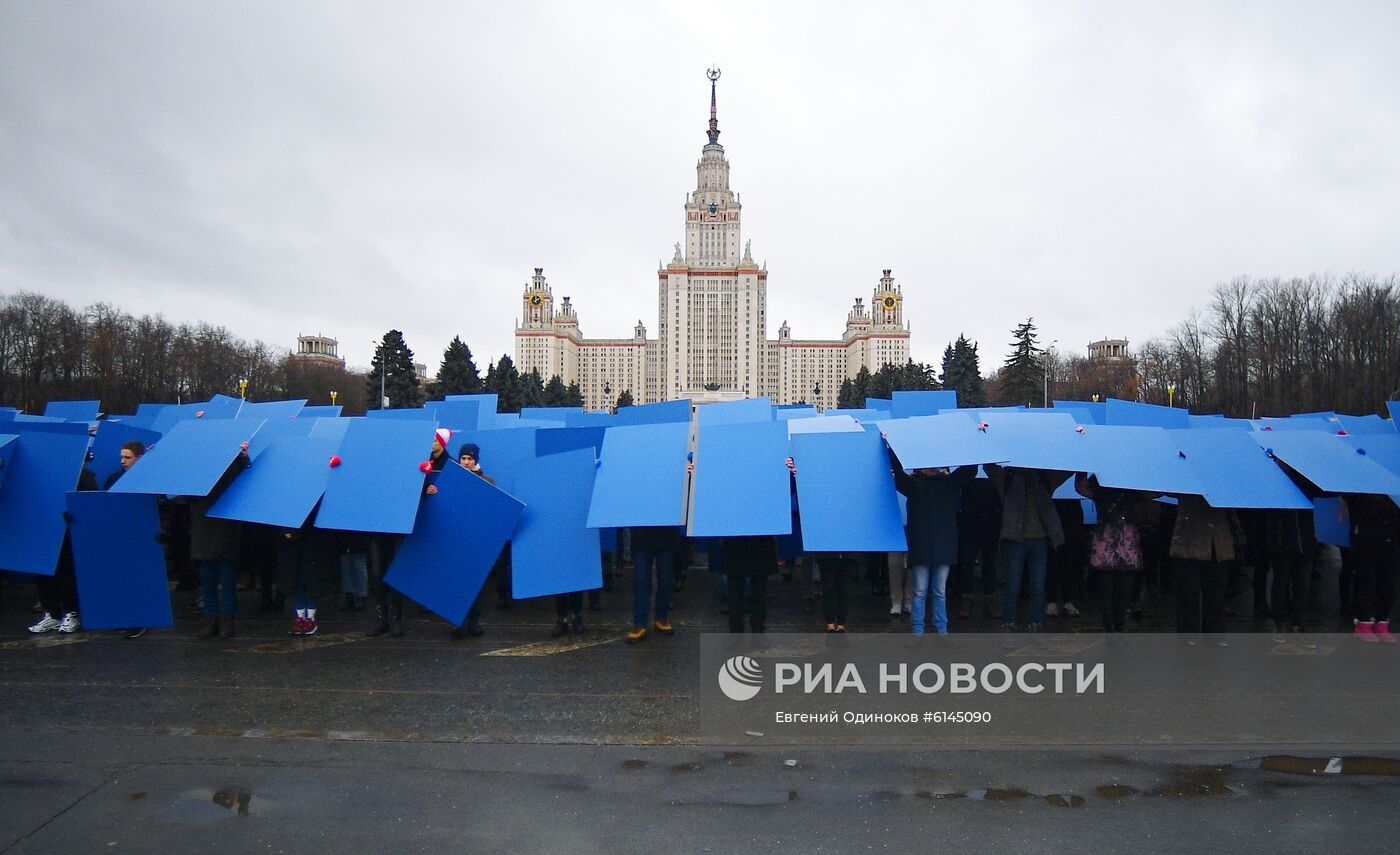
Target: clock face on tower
(714, 209)
(889, 301)
(536, 299)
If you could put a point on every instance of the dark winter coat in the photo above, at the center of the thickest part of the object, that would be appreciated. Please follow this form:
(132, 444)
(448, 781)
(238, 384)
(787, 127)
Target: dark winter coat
(752, 555)
(213, 539)
(1203, 533)
(932, 528)
(1023, 490)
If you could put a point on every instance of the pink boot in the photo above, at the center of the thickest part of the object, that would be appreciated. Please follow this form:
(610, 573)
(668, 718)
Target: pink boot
(1383, 632)
(1366, 631)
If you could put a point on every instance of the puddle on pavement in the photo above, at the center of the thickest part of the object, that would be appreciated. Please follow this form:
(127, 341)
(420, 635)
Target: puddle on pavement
(1116, 791)
(233, 797)
(136, 796)
(998, 794)
(1065, 800)
(1294, 765)
(205, 806)
(634, 764)
(928, 795)
(686, 767)
(1194, 782)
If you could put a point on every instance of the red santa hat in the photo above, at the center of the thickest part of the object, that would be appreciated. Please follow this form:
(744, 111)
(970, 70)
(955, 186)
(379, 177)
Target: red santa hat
(442, 435)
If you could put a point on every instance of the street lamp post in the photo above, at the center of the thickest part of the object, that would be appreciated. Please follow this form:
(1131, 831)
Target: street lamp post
(1171, 394)
(607, 396)
(1049, 355)
(383, 375)
(817, 394)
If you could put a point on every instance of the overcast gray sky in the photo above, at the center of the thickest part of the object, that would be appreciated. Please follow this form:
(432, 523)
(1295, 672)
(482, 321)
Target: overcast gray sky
(347, 167)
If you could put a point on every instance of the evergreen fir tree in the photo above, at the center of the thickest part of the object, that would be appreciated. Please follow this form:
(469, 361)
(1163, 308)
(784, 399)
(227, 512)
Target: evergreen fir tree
(458, 374)
(555, 392)
(393, 368)
(1022, 373)
(573, 396)
(504, 380)
(625, 399)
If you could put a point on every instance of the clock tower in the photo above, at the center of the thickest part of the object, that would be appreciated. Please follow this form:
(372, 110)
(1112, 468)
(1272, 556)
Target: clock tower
(887, 306)
(537, 307)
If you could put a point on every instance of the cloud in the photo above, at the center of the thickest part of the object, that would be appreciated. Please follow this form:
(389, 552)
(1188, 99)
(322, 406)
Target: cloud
(344, 168)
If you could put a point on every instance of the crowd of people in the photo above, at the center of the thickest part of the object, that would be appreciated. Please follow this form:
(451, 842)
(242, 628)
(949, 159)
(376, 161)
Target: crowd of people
(991, 541)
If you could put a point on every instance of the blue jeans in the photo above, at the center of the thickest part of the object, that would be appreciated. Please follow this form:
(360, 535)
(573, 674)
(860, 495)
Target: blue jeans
(354, 574)
(214, 575)
(1025, 556)
(920, 574)
(641, 584)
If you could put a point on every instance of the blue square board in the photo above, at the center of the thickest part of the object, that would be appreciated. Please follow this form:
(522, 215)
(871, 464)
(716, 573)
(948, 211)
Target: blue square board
(377, 485)
(905, 405)
(271, 410)
(503, 451)
(735, 412)
(73, 411)
(651, 414)
(1136, 414)
(846, 494)
(1235, 472)
(950, 439)
(742, 485)
(553, 551)
(107, 446)
(1141, 458)
(282, 486)
(44, 467)
(8, 443)
(190, 459)
(460, 531)
(641, 477)
(1334, 463)
(1039, 439)
(120, 566)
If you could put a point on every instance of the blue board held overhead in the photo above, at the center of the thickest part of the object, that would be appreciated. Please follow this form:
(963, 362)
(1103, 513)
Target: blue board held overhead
(742, 485)
(846, 494)
(282, 486)
(377, 485)
(641, 477)
(190, 459)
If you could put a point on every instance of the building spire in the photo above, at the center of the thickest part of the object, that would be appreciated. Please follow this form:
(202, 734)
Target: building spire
(713, 74)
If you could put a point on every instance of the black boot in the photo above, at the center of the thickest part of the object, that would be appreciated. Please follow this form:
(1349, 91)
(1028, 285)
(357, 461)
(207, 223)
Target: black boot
(578, 623)
(381, 626)
(396, 620)
(561, 627)
(226, 629)
(349, 604)
(211, 627)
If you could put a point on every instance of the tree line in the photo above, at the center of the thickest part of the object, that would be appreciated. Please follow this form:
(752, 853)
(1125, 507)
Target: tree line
(1262, 347)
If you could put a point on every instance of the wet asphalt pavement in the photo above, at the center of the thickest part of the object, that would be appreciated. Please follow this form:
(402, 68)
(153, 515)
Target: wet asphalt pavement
(518, 742)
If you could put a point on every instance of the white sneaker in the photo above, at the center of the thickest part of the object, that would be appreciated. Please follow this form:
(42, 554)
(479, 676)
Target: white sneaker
(70, 623)
(1052, 610)
(1070, 610)
(44, 624)
(894, 609)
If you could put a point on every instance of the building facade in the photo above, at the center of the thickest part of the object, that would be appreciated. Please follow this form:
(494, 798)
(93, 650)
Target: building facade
(712, 320)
